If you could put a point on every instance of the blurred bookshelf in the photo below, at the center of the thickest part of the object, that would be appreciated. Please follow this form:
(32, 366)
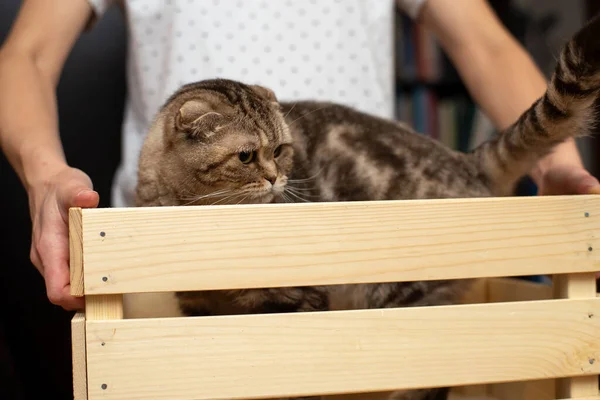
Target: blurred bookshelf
(430, 95)
(432, 98)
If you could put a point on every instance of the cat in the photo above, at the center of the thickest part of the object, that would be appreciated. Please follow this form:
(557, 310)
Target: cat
(220, 141)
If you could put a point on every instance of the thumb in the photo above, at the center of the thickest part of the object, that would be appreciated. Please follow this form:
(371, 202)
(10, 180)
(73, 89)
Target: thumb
(78, 192)
(85, 198)
(588, 185)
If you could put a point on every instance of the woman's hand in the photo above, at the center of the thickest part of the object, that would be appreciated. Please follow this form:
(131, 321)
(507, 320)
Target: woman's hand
(568, 179)
(49, 203)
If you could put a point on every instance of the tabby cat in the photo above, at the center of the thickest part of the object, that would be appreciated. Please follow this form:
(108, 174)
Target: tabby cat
(224, 142)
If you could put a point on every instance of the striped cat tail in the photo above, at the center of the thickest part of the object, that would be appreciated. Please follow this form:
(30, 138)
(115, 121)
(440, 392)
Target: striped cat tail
(566, 110)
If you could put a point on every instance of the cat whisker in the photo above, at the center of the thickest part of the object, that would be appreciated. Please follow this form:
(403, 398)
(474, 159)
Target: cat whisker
(203, 196)
(226, 198)
(310, 178)
(289, 111)
(242, 200)
(307, 195)
(299, 190)
(308, 113)
(304, 189)
(287, 198)
(194, 199)
(298, 197)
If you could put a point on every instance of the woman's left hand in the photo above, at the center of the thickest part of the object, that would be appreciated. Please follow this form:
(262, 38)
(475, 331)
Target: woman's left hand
(567, 180)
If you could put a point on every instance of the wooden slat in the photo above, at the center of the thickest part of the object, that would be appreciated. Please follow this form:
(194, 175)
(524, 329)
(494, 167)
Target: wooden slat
(76, 251)
(254, 356)
(577, 286)
(79, 356)
(456, 396)
(507, 290)
(224, 247)
(519, 395)
(585, 398)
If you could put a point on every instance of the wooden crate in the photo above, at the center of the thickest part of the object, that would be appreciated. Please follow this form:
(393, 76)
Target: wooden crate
(508, 339)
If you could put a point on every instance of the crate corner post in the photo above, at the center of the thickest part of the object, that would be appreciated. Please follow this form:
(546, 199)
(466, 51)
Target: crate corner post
(76, 251)
(576, 286)
(79, 356)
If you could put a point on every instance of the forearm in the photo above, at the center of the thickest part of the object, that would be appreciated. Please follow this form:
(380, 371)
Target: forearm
(31, 60)
(28, 119)
(505, 83)
(499, 74)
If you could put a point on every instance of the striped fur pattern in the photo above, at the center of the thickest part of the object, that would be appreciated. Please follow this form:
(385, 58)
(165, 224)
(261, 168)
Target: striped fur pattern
(224, 142)
(566, 110)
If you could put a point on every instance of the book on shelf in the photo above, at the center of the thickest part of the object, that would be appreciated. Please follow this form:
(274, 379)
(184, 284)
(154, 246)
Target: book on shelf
(430, 95)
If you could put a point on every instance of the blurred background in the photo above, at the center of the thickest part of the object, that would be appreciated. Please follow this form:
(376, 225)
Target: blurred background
(35, 350)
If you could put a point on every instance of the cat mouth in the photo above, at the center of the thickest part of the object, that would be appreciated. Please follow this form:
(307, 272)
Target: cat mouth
(267, 193)
(261, 196)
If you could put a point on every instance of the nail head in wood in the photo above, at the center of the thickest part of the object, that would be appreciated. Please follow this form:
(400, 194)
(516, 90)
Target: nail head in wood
(102, 234)
(104, 279)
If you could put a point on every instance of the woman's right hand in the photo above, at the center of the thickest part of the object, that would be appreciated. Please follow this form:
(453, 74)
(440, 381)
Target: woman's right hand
(49, 203)
(31, 63)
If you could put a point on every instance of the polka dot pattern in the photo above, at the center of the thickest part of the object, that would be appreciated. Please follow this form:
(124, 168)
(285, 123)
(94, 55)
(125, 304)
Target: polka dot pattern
(331, 50)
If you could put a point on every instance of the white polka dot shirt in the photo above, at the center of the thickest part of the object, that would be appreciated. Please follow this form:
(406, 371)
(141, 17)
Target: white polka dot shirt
(333, 50)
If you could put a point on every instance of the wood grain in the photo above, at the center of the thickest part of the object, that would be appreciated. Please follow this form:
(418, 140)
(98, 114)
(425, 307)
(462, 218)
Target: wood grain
(104, 307)
(586, 398)
(76, 251)
(187, 248)
(261, 356)
(577, 286)
(79, 356)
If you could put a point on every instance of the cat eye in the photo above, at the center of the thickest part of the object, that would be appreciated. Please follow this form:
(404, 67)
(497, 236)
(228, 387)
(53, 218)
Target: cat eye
(246, 157)
(277, 151)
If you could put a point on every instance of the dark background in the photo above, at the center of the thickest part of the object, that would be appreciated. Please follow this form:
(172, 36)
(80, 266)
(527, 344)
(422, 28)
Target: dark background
(35, 349)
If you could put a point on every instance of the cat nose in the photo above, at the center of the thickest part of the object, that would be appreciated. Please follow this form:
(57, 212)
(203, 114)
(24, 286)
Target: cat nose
(271, 179)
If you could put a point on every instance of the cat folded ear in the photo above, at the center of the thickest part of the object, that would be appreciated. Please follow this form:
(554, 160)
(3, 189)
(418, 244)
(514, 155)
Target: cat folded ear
(200, 119)
(265, 93)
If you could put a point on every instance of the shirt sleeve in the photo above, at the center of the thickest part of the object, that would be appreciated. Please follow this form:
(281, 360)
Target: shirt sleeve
(99, 7)
(411, 7)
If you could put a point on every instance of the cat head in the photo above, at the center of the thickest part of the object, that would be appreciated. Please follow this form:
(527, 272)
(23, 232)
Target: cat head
(226, 143)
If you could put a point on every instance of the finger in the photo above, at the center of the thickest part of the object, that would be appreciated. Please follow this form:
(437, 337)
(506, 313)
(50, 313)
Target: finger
(71, 303)
(86, 199)
(35, 259)
(588, 185)
(53, 251)
(56, 275)
(77, 195)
